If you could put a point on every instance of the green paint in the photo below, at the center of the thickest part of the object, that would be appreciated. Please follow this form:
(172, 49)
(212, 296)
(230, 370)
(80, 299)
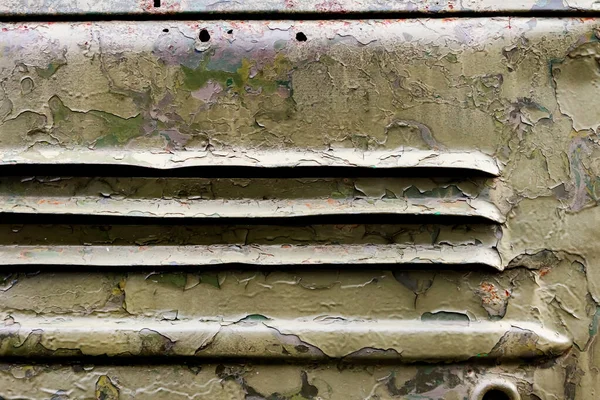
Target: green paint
(121, 129)
(194, 79)
(112, 130)
(177, 279)
(270, 78)
(210, 278)
(50, 69)
(594, 324)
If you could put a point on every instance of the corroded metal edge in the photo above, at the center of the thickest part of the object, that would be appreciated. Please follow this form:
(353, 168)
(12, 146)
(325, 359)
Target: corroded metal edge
(266, 338)
(396, 158)
(80, 7)
(267, 255)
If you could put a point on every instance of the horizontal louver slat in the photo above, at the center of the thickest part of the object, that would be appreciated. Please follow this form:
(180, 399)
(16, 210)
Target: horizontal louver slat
(38, 336)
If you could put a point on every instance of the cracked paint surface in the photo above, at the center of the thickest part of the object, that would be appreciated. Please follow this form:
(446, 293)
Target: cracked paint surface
(25, 7)
(238, 198)
(509, 101)
(147, 245)
(257, 382)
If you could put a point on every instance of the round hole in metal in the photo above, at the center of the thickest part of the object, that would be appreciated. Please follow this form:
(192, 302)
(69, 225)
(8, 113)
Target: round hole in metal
(495, 389)
(495, 394)
(204, 35)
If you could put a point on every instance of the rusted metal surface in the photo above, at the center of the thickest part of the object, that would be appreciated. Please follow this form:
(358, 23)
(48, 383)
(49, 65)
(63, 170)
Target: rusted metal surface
(508, 101)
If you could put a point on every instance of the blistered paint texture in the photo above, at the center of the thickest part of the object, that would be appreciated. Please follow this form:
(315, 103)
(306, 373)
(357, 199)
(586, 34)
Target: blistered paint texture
(506, 291)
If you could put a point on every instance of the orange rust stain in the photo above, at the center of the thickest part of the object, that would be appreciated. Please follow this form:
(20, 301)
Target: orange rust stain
(492, 294)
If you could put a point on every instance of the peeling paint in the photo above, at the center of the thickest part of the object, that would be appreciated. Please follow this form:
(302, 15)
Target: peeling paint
(80, 7)
(507, 103)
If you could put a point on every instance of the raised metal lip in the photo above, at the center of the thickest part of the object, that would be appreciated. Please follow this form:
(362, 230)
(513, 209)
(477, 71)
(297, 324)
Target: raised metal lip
(383, 159)
(501, 384)
(249, 338)
(247, 208)
(265, 255)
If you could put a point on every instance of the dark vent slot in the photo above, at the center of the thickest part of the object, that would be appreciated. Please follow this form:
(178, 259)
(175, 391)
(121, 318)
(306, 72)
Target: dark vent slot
(131, 171)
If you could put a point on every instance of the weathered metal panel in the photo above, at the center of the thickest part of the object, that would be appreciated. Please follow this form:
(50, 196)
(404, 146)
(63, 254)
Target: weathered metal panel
(357, 92)
(508, 102)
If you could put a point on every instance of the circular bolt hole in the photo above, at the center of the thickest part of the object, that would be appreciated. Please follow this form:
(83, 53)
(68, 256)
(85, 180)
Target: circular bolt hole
(495, 389)
(165, 30)
(495, 394)
(301, 37)
(230, 32)
(204, 35)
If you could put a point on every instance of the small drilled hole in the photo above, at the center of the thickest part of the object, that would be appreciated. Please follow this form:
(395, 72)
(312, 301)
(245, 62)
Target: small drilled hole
(230, 32)
(156, 3)
(165, 30)
(204, 35)
(301, 37)
(496, 394)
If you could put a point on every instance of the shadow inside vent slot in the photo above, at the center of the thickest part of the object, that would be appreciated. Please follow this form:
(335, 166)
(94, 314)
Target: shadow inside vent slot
(256, 245)
(34, 269)
(48, 171)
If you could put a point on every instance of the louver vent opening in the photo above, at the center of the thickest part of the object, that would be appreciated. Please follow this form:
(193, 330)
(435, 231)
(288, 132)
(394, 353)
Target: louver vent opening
(278, 222)
(266, 221)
